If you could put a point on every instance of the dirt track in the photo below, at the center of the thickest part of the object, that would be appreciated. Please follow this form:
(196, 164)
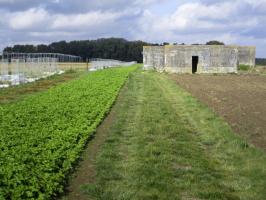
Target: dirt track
(240, 99)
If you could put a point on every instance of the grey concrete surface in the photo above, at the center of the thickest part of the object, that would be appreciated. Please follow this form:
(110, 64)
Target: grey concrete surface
(210, 58)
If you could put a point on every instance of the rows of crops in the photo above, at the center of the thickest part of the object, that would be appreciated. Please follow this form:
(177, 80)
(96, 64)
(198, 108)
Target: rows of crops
(43, 135)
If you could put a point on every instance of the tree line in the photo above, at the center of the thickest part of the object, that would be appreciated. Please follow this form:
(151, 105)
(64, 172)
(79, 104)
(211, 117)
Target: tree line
(110, 48)
(261, 61)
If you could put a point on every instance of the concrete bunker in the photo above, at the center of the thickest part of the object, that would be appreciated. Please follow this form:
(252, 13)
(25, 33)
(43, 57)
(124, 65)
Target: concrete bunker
(197, 58)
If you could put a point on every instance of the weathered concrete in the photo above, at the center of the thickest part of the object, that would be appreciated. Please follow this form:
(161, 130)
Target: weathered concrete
(211, 58)
(154, 57)
(246, 55)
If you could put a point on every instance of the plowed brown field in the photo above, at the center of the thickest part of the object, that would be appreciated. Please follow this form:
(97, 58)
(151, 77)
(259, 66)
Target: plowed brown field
(240, 99)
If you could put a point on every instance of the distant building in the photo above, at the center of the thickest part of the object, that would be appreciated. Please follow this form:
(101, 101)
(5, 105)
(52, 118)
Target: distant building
(198, 58)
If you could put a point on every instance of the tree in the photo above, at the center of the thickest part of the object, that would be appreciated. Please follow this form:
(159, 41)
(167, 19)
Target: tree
(111, 48)
(214, 42)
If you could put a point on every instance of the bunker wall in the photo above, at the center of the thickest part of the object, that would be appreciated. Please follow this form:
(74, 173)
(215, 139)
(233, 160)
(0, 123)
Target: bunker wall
(211, 59)
(153, 58)
(219, 59)
(247, 56)
(178, 59)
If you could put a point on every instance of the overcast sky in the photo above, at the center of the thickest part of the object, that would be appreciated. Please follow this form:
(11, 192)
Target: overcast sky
(197, 21)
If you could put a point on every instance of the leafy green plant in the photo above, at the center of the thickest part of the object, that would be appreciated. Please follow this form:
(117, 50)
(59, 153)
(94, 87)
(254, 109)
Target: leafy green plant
(243, 67)
(42, 136)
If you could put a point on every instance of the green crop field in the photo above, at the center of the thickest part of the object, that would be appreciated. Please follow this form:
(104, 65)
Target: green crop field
(42, 135)
(158, 142)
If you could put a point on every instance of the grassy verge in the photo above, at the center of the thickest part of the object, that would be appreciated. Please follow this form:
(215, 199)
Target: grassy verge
(42, 136)
(166, 145)
(257, 70)
(244, 67)
(12, 94)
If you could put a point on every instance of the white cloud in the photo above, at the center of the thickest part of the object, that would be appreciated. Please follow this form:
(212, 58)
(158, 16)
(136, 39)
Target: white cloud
(90, 19)
(197, 21)
(233, 22)
(256, 2)
(36, 19)
(193, 16)
(147, 2)
(198, 10)
(27, 19)
(51, 34)
(196, 18)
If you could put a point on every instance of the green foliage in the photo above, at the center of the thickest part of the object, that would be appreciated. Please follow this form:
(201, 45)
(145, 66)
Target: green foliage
(261, 61)
(214, 42)
(243, 67)
(42, 136)
(112, 48)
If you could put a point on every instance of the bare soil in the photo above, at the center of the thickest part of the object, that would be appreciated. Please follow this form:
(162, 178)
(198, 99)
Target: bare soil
(239, 99)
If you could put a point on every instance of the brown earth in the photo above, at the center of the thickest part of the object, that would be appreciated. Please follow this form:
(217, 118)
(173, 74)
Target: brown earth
(239, 99)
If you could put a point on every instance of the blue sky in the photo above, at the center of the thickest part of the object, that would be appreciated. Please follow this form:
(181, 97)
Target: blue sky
(197, 21)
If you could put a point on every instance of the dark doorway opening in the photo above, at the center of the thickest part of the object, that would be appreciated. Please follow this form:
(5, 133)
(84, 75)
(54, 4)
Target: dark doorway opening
(195, 61)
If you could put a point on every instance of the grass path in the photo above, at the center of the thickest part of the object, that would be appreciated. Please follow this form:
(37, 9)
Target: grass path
(164, 144)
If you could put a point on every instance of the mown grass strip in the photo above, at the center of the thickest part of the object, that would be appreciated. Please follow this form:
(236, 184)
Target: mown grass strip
(166, 145)
(42, 135)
